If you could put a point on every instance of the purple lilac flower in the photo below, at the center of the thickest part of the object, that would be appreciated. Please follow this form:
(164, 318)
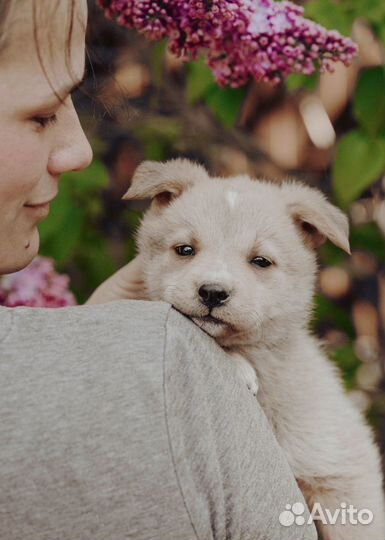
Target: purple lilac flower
(37, 285)
(241, 39)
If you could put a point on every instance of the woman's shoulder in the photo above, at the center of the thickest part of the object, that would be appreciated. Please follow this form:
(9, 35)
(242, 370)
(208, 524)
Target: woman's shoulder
(134, 327)
(113, 318)
(124, 314)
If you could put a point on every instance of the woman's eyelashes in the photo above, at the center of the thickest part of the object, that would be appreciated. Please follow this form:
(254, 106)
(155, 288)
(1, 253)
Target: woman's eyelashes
(45, 121)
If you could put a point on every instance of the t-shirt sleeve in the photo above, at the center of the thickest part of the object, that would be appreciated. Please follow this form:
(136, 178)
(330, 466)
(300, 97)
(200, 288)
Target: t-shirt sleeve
(84, 452)
(125, 421)
(233, 476)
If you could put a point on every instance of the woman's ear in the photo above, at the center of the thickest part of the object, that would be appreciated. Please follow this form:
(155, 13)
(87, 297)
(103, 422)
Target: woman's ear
(163, 182)
(317, 219)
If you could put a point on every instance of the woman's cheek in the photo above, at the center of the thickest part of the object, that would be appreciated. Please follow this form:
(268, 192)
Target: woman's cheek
(22, 169)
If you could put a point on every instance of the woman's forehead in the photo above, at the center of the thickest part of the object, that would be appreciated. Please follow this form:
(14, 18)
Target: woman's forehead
(46, 45)
(45, 29)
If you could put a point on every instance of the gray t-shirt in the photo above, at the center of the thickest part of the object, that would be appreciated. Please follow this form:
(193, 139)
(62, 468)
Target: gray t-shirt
(125, 421)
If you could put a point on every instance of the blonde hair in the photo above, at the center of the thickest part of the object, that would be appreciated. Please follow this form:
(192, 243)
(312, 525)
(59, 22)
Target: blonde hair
(4, 11)
(6, 22)
(5, 8)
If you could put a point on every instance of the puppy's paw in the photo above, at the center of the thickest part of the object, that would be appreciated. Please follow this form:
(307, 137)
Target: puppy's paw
(246, 373)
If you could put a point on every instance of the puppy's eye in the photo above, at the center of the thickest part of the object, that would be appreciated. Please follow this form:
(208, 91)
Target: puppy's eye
(262, 262)
(185, 251)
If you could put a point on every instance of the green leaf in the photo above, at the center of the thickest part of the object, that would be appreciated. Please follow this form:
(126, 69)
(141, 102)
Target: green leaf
(348, 362)
(369, 101)
(156, 150)
(63, 246)
(133, 219)
(199, 81)
(159, 51)
(94, 177)
(157, 134)
(359, 162)
(156, 127)
(297, 81)
(93, 263)
(368, 237)
(331, 255)
(226, 103)
(331, 313)
(371, 10)
(330, 14)
(59, 214)
(380, 31)
(77, 189)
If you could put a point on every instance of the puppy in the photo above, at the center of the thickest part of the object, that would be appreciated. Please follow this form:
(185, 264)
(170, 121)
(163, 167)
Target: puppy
(238, 257)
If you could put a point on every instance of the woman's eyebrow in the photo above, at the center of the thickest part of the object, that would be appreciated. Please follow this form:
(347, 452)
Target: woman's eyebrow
(72, 87)
(60, 94)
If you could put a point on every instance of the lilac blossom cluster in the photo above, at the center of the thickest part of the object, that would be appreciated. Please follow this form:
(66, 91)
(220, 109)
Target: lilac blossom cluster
(37, 285)
(241, 39)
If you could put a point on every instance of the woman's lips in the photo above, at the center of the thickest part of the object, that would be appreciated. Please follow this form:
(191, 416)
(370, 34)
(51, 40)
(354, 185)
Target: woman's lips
(38, 211)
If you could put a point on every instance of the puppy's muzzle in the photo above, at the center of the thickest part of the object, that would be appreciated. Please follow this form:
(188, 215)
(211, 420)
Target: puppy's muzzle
(213, 295)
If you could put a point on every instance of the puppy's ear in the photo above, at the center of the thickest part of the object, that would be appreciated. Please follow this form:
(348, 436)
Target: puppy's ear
(163, 182)
(317, 219)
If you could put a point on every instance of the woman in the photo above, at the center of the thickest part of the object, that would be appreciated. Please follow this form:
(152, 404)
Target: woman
(119, 420)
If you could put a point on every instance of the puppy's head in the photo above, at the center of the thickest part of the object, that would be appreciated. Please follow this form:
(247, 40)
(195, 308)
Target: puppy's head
(236, 255)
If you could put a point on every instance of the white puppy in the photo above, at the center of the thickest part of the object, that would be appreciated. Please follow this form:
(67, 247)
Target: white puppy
(238, 257)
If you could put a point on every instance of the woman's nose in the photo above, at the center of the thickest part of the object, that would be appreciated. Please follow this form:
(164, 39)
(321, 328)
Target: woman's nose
(72, 151)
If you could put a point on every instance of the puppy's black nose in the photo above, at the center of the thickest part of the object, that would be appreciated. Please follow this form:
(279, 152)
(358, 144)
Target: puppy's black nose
(213, 295)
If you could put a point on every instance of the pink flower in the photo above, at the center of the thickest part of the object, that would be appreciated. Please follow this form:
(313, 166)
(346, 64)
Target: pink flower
(262, 39)
(37, 285)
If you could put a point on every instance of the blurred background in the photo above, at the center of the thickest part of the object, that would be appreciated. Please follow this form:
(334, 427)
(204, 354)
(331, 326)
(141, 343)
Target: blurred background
(141, 102)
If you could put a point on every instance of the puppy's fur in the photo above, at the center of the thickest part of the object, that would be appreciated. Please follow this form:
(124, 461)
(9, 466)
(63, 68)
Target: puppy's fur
(263, 321)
